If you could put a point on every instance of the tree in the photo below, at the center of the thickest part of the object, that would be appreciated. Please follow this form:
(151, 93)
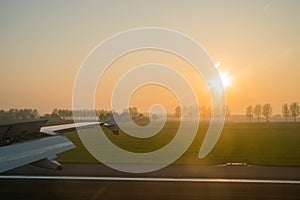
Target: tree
(61, 113)
(294, 108)
(2, 115)
(12, 114)
(267, 111)
(205, 112)
(257, 111)
(285, 111)
(189, 112)
(54, 114)
(249, 112)
(133, 111)
(227, 112)
(177, 112)
(32, 113)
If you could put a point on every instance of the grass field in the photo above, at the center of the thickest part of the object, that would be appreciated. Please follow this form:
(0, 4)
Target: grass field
(253, 143)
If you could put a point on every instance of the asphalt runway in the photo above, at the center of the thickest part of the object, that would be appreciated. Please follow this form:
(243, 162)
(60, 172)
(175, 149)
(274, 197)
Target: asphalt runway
(151, 187)
(85, 190)
(175, 171)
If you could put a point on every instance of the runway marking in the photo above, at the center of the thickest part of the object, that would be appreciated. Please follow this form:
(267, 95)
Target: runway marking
(200, 180)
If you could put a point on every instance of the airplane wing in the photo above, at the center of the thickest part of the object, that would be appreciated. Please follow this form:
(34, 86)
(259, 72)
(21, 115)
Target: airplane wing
(39, 152)
(112, 125)
(19, 144)
(55, 130)
(24, 143)
(11, 133)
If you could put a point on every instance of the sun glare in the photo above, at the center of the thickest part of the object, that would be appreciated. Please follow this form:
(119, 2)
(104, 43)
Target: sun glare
(226, 80)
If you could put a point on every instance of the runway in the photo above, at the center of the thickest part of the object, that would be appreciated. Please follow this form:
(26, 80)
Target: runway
(172, 171)
(96, 181)
(91, 189)
(149, 179)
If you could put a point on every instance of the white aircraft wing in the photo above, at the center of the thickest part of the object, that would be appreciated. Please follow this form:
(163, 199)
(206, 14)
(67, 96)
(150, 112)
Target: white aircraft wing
(40, 152)
(54, 130)
(21, 143)
(112, 125)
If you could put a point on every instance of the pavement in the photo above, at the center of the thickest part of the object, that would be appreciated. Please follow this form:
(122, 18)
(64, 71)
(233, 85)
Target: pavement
(141, 187)
(175, 171)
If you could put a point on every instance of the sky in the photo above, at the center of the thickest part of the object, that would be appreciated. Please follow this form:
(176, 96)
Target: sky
(44, 43)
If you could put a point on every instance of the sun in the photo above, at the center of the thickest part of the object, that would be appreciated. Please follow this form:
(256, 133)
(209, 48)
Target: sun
(226, 79)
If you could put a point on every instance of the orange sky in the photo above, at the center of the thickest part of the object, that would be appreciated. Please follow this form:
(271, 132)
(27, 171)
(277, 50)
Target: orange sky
(44, 43)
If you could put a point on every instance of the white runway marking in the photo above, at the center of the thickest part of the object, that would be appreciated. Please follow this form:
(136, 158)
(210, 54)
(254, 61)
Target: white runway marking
(200, 180)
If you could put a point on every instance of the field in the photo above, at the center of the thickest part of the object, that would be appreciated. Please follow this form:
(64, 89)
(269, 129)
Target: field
(253, 143)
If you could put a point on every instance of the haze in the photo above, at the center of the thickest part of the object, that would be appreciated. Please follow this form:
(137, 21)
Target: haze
(43, 44)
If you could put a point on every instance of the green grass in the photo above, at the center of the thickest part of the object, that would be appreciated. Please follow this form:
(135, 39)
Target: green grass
(254, 143)
(78, 154)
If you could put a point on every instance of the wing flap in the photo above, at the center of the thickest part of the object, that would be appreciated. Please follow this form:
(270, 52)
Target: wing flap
(48, 164)
(16, 155)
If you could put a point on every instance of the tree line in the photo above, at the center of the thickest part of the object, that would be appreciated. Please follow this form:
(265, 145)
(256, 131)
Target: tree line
(288, 111)
(19, 114)
(204, 112)
(83, 114)
(292, 110)
(66, 114)
(15, 114)
(90, 114)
